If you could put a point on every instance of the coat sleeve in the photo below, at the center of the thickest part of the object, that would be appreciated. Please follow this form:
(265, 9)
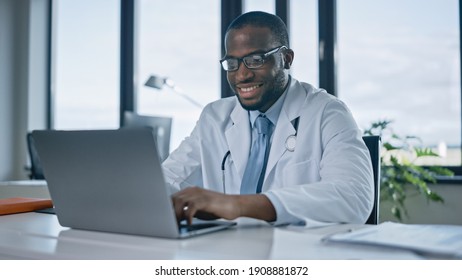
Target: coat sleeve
(183, 168)
(344, 193)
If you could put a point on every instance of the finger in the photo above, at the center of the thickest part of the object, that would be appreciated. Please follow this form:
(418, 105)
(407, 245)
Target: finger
(189, 213)
(178, 205)
(206, 215)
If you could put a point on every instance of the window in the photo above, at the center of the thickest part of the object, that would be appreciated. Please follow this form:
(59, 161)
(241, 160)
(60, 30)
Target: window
(85, 64)
(303, 34)
(183, 46)
(400, 60)
(258, 5)
(397, 60)
(303, 28)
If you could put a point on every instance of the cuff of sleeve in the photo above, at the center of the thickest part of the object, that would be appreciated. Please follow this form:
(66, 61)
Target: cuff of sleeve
(282, 216)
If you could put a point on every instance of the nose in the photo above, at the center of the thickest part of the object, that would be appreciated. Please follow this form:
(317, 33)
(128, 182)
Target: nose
(243, 73)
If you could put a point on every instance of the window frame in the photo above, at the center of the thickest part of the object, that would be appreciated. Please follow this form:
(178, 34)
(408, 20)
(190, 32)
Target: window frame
(229, 10)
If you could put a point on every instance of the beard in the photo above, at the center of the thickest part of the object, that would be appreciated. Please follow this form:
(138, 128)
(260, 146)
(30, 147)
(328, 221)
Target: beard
(275, 89)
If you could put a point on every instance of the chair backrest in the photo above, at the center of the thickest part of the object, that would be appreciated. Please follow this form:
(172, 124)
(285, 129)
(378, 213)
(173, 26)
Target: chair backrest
(36, 171)
(161, 126)
(373, 144)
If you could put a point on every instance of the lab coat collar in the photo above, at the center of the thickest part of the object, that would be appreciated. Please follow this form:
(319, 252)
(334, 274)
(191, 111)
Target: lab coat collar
(296, 97)
(238, 137)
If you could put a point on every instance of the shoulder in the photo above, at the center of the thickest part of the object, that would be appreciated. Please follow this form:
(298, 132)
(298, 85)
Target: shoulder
(315, 94)
(219, 110)
(317, 97)
(311, 98)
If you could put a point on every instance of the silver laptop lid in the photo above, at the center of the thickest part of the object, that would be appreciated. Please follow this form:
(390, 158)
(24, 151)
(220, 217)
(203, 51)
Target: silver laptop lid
(107, 180)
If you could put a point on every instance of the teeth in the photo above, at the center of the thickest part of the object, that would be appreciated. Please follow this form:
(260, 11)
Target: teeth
(249, 88)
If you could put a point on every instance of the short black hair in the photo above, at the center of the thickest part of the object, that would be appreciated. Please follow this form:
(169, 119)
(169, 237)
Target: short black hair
(262, 19)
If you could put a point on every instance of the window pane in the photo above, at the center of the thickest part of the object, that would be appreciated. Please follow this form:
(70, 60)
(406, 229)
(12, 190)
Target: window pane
(259, 5)
(303, 29)
(399, 60)
(304, 40)
(179, 40)
(86, 64)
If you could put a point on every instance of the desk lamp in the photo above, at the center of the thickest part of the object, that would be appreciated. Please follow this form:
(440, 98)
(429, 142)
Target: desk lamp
(158, 82)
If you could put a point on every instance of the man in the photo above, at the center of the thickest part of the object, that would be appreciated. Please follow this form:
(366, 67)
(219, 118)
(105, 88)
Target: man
(313, 168)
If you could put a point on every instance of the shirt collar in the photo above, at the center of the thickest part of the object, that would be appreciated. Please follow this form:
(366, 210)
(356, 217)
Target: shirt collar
(273, 112)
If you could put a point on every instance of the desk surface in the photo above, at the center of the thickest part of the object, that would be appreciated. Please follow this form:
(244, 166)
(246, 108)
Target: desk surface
(39, 236)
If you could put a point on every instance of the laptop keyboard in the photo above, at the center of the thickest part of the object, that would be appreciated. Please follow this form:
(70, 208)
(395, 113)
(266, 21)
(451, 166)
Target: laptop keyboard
(193, 227)
(196, 226)
(46, 211)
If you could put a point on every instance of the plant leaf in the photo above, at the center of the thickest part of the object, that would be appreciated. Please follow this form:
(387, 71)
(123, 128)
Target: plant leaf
(398, 171)
(435, 197)
(389, 147)
(396, 212)
(438, 170)
(425, 152)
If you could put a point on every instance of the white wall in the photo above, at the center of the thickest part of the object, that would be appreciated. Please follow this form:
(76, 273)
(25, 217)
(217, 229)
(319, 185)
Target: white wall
(6, 87)
(23, 71)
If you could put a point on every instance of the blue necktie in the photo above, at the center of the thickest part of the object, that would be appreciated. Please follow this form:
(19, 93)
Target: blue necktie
(256, 165)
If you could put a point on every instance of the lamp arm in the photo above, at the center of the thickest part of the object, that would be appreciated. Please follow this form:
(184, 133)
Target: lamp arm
(157, 82)
(190, 99)
(180, 92)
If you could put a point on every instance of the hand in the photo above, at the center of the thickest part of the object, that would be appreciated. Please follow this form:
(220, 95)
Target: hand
(198, 202)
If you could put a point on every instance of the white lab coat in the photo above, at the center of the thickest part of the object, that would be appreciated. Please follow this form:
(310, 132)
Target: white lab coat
(326, 179)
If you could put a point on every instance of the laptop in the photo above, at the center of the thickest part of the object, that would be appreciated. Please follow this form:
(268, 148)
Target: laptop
(112, 181)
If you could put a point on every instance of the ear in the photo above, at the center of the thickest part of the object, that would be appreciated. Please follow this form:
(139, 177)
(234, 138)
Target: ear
(288, 58)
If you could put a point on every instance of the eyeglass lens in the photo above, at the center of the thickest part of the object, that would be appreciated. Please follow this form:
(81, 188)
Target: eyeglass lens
(252, 61)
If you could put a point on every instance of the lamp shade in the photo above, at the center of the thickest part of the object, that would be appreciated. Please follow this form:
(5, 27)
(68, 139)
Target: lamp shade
(158, 82)
(155, 82)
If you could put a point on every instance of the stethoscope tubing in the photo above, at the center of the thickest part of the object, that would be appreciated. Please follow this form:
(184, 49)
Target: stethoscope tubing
(290, 146)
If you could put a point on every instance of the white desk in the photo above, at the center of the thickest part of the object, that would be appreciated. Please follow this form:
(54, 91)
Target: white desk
(39, 236)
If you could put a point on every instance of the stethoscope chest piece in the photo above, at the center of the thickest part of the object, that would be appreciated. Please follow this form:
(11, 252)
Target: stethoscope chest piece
(291, 142)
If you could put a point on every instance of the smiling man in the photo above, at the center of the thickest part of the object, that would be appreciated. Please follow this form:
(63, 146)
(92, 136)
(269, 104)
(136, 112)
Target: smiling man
(279, 150)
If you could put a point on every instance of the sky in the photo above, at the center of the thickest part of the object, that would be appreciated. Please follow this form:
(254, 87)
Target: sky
(409, 64)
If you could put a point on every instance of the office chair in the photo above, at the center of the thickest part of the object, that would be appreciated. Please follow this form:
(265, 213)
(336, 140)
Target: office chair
(373, 144)
(35, 169)
(161, 126)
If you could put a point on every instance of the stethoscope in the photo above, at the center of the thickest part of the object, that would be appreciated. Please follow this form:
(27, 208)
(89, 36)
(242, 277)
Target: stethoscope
(291, 143)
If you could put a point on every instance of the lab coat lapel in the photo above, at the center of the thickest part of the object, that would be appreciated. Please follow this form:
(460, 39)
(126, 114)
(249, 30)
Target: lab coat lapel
(238, 138)
(290, 111)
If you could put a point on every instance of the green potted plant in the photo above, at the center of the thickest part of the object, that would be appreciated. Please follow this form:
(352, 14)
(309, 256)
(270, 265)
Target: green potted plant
(400, 175)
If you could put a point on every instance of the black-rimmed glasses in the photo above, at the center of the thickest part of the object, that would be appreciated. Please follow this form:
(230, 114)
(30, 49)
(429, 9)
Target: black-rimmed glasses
(252, 61)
